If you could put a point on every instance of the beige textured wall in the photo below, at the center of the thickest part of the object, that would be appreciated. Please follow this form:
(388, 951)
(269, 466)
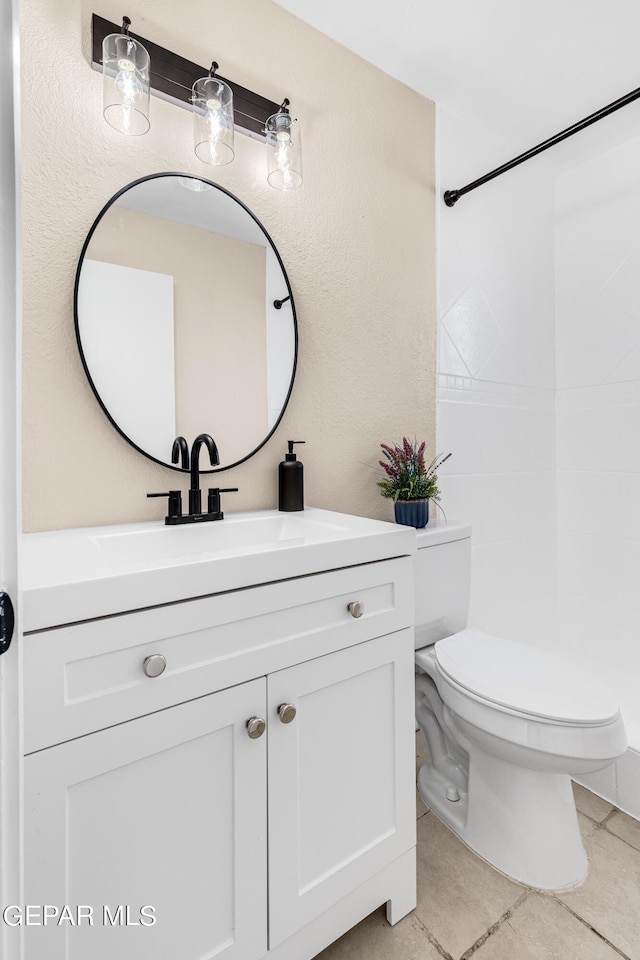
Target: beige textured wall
(357, 240)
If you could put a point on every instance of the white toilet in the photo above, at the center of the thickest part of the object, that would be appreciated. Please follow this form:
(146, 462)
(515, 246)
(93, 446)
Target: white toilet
(506, 726)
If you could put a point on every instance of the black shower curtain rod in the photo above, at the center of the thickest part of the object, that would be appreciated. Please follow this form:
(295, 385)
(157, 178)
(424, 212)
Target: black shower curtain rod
(452, 196)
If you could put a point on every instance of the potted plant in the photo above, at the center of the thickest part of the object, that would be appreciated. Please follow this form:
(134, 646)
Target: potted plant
(409, 482)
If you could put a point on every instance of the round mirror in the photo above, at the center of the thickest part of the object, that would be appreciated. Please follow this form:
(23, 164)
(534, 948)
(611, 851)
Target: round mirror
(185, 319)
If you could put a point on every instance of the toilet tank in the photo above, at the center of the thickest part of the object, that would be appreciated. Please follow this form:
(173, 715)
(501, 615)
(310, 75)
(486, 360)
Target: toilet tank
(443, 579)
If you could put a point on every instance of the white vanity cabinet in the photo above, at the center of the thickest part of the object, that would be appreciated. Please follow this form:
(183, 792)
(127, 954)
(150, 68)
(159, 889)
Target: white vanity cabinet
(167, 811)
(148, 792)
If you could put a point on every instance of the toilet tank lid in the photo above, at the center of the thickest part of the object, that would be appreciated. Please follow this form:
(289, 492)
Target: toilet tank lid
(440, 530)
(525, 679)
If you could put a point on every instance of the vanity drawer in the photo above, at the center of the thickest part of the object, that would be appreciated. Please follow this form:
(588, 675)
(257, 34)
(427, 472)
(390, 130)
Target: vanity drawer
(91, 675)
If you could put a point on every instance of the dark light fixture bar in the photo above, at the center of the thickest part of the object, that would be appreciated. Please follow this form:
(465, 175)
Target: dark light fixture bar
(452, 196)
(172, 78)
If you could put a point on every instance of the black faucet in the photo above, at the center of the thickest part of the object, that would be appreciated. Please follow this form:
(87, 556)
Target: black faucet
(180, 450)
(195, 495)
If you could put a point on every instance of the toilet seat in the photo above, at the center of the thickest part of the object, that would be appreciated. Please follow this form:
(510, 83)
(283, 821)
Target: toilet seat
(580, 740)
(519, 679)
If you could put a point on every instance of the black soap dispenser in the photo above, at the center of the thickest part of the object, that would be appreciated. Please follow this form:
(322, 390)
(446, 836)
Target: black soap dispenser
(290, 484)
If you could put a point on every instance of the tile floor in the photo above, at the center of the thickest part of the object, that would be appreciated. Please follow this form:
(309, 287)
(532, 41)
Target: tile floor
(466, 909)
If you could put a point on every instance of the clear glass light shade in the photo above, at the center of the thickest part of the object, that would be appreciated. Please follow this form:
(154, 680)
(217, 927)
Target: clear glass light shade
(125, 71)
(284, 155)
(213, 121)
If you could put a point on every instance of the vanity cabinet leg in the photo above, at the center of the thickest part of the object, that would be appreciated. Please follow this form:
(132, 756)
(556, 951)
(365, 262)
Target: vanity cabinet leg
(403, 899)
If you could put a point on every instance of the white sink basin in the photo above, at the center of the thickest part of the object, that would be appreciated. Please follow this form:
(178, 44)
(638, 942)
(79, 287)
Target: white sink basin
(239, 533)
(71, 575)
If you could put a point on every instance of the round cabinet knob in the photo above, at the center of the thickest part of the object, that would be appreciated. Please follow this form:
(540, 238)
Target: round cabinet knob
(356, 608)
(256, 727)
(286, 712)
(155, 665)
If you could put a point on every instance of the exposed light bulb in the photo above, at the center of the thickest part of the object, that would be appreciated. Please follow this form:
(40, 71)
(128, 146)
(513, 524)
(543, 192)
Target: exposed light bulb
(213, 120)
(283, 159)
(125, 68)
(127, 82)
(284, 168)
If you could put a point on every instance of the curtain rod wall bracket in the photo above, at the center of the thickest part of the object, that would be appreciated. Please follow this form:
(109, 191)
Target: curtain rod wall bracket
(452, 196)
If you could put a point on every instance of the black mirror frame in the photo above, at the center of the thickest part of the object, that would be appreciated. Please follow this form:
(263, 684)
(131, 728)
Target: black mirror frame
(110, 202)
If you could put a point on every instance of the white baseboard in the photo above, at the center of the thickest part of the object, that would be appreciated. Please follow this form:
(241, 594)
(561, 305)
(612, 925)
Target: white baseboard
(618, 783)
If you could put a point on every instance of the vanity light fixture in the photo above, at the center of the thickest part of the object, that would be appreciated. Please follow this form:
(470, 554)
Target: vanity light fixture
(213, 119)
(134, 67)
(125, 69)
(284, 157)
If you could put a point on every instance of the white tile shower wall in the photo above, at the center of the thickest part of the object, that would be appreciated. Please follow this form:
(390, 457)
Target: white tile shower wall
(597, 280)
(539, 368)
(496, 383)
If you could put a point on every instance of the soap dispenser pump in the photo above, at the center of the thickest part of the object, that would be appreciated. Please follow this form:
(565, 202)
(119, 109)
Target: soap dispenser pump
(290, 484)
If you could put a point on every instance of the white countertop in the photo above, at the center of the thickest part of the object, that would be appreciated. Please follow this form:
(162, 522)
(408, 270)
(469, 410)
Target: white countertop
(79, 574)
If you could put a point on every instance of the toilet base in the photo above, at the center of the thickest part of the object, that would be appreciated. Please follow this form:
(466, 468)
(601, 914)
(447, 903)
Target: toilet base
(521, 821)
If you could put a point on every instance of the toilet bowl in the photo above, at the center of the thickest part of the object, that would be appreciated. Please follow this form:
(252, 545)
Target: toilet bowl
(506, 725)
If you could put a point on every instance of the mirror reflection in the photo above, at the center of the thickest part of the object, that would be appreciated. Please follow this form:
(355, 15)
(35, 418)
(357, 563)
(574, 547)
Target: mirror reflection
(185, 319)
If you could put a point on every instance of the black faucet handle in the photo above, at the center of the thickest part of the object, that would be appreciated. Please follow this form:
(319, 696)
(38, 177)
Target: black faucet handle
(175, 503)
(213, 500)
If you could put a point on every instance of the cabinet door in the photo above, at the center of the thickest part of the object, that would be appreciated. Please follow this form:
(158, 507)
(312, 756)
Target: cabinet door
(341, 792)
(167, 811)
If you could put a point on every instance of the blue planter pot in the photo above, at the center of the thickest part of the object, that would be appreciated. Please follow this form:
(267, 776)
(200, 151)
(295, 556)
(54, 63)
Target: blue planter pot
(413, 513)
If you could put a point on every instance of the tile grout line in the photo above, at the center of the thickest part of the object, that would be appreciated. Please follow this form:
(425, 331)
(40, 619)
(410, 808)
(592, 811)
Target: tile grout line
(622, 839)
(495, 926)
(594, 829)
(598, 824)
(432, 940)
(591, 928)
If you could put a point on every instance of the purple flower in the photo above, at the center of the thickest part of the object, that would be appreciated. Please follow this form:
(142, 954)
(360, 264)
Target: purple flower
(406, 475)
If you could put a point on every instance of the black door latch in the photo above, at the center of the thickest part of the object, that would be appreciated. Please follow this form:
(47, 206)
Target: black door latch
(7, 621)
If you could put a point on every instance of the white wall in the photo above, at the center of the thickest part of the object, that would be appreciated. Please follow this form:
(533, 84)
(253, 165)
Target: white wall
(496, 379)
(539, 398)
(597, 278)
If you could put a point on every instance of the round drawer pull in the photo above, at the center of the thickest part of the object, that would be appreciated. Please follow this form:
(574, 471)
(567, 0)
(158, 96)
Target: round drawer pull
(255, 727)
(356, 608)
(286, 712)
(155, 665)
